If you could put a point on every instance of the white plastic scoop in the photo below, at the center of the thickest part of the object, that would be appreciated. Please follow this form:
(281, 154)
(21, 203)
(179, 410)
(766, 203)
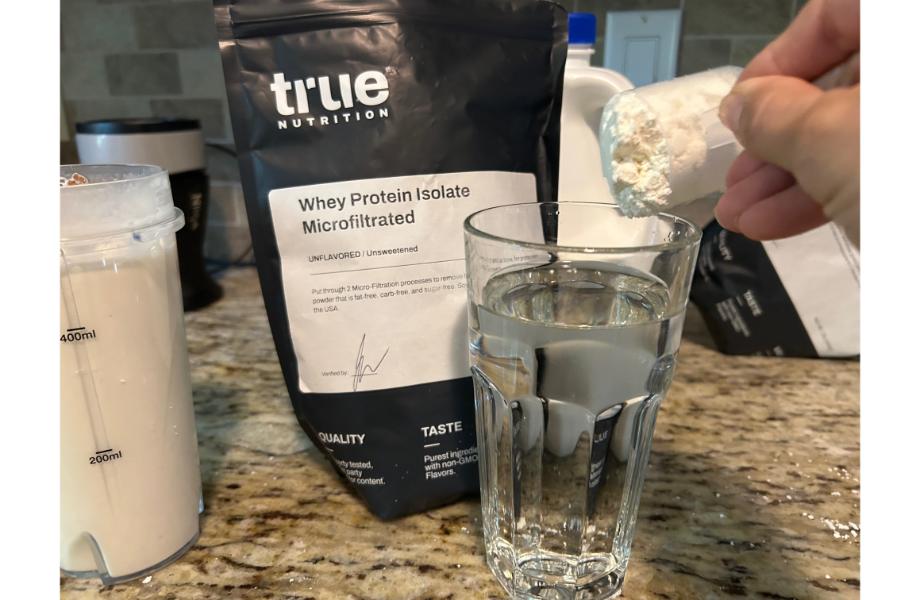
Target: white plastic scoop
(663, 145)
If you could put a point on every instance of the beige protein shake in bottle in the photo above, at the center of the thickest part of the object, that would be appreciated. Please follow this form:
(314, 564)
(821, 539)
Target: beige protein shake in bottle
(130, 480)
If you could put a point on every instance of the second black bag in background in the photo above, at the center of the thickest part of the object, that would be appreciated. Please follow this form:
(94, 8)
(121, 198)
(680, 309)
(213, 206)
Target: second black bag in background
(797, 296)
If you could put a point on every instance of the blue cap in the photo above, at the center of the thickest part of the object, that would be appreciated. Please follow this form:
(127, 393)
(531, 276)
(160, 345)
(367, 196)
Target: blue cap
(582, 28)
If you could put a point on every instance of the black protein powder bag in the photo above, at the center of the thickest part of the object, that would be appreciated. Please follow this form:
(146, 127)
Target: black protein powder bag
(366, 133)
(797, 296)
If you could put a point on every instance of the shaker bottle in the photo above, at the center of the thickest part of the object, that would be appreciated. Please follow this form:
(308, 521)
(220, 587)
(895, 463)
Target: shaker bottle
(130, 480)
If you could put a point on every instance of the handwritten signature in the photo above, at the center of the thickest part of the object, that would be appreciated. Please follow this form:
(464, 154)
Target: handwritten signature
(362, 369)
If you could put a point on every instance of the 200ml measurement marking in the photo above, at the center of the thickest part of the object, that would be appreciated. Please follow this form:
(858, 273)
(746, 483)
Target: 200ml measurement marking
(78, 334)
(104, 456)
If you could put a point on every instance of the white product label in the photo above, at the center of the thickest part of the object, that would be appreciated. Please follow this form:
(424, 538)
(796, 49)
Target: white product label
(820, 271)
(374, 277)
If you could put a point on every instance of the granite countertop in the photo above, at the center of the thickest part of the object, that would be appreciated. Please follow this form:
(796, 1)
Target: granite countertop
(752, 490)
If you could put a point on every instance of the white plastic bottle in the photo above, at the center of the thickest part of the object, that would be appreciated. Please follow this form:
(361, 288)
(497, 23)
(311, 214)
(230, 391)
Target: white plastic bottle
(585, 93)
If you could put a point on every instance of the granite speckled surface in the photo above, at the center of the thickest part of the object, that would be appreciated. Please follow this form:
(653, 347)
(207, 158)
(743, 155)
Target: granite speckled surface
(752, 491)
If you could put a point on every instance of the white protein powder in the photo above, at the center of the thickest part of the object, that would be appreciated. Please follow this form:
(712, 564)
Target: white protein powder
(654, 144)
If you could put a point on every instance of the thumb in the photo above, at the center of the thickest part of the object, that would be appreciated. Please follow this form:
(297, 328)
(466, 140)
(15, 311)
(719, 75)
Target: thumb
(811, 133)
(768, 116)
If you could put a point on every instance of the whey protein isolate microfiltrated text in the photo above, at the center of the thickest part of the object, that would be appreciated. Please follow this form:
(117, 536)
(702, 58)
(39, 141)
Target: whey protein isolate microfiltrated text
(367, 132)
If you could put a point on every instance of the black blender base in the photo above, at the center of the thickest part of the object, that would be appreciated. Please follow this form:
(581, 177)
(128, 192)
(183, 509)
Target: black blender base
(203, 294)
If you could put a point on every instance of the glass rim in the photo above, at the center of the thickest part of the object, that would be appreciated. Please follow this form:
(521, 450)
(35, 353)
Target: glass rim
(694, 237)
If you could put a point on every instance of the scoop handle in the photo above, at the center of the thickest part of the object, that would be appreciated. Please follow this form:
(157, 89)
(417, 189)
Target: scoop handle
(843, 75)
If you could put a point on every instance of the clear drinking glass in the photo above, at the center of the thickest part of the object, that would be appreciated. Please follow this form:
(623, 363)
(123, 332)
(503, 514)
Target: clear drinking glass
(575, 316)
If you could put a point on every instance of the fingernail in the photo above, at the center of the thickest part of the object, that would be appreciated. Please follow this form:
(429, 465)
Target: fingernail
(730, 111)
(727, 219)
(725, 224)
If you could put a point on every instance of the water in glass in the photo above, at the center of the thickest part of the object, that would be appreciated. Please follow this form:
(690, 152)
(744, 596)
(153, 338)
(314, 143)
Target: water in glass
(570, 362)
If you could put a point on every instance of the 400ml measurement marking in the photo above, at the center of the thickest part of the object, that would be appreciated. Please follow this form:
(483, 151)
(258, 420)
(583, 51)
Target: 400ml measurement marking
(78, 334)
(104, 456)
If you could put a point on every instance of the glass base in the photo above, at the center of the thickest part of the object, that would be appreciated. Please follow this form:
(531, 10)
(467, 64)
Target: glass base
(109, 580)
(552, 577)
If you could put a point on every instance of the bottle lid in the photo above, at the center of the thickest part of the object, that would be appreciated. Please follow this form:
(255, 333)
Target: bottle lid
(116, 202)
(122, 126)
(582, 28)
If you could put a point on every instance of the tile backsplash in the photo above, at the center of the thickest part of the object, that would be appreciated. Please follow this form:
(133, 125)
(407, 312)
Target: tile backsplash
(713, 32)
(139, 58)
(142, 58)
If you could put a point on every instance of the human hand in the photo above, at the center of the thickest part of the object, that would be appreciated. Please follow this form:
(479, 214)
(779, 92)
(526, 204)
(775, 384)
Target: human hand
(800, 166)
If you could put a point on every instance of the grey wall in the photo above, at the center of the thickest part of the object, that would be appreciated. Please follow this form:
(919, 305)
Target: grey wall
(714, 32)
(140, 58)
(136, 58)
